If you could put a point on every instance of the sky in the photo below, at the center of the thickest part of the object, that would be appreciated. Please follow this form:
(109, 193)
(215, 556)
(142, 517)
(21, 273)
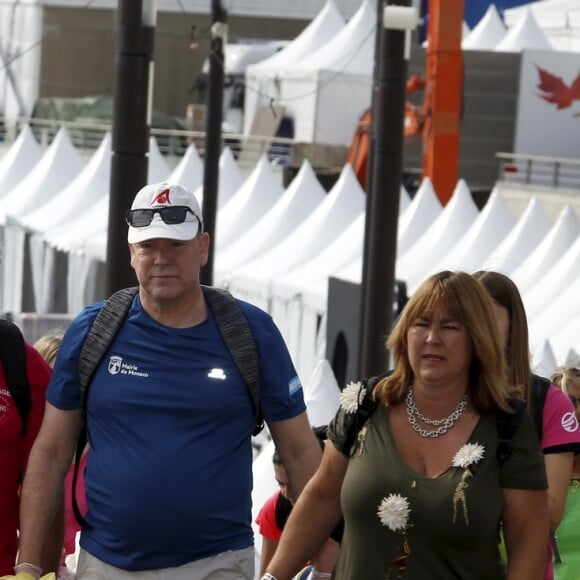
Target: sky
(475, 9)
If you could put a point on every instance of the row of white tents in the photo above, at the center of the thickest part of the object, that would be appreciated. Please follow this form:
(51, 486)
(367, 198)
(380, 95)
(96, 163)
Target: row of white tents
(326, 72)
(277, 247)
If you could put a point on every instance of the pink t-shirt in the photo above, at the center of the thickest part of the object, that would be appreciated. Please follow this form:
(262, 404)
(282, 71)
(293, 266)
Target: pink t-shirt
(71, 526)
(559, 427)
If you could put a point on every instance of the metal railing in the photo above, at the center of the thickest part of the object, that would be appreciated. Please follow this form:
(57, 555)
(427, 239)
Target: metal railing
(539, 170)
(246, 149)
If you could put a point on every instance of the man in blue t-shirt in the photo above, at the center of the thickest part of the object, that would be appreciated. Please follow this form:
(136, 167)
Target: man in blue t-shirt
(169, 419)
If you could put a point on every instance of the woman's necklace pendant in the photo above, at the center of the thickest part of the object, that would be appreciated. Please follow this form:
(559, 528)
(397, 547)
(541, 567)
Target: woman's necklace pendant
(441, 425)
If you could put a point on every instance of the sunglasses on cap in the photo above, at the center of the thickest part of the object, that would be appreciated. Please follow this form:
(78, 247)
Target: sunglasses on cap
(171, 215)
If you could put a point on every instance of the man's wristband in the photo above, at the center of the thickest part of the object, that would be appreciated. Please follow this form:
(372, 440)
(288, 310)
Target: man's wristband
(268, 576)
(28, 568)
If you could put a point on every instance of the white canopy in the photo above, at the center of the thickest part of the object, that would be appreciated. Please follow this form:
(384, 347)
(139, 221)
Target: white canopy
(491, 226)
(90, 184)
(345, 201)
(420, 214)
(19, 160)
(558, 278)
(294, 206)
(58, 166)
(255, 197)
(525, 34)
(551, 247)
(530, 229)
(261, 78)
(189, 171)
(333, 83)
(488, 32)
(439, 238)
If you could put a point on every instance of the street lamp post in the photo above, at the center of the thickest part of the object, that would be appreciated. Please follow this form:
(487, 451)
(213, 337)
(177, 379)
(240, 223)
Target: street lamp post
(213, 136)
(382, 210)
(130, 134)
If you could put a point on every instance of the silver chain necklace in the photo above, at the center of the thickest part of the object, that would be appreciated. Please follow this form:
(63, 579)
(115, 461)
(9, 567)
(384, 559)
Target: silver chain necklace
(442, 425)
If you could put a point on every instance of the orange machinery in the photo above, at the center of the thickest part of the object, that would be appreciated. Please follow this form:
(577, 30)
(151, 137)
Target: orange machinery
(438, 118)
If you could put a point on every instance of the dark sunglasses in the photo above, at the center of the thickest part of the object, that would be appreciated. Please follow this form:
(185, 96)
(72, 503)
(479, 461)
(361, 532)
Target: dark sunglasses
(575, 400)
(171, 215)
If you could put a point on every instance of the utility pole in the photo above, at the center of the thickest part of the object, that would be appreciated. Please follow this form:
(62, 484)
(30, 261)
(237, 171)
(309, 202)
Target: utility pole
(130, 135)
(213, 137)
(394, 25)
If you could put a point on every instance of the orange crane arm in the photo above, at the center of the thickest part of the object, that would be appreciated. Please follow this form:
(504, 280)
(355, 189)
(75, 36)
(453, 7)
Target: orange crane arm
(443, 92)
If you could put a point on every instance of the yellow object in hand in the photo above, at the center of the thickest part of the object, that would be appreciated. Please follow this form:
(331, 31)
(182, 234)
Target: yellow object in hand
(26, 576)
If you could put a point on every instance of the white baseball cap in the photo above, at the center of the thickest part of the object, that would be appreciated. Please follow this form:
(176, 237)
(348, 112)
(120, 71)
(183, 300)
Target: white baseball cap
(183, 223)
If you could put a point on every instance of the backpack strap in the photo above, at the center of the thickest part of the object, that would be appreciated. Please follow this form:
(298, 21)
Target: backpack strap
(101, 335)
(507, 425)
(96, 343)
(365, 409)
(239, 340)
(13, 359)
(540, 386)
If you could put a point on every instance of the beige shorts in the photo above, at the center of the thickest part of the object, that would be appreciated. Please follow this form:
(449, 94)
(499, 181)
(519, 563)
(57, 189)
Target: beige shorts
(231, 565)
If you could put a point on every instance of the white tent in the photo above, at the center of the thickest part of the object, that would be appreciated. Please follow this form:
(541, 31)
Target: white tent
(230, 179)
(19, 160)
(565, 338)
(420, 214)
(530, 229)
(439, 238)
(551, 287)
(189, 170)
(89, 185)
(333, 83)
(157, 168)
(491, 226)
(287, 290)
(57, 167)
(543, 360)
(558, 19)
(550, 249)
(525, 34)
(345, 201)
(488, 32)
(262, 78)
(550, 14)
(556, 312)
(255, 197)
(297, 202)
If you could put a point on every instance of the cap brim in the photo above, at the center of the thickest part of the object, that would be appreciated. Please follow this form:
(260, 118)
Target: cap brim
(159, 229)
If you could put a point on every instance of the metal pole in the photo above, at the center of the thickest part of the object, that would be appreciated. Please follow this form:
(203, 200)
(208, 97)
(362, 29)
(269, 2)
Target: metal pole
(383, 199)
(130, 134)
(213, 136)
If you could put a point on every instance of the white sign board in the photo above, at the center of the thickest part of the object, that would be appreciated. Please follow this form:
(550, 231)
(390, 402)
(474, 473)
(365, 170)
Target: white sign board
(548, 113)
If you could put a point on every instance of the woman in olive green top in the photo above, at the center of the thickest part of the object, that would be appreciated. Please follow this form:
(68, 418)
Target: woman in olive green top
(422, 491)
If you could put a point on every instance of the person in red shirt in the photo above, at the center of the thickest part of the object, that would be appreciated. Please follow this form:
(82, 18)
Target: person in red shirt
(275, 511)
(15, 445)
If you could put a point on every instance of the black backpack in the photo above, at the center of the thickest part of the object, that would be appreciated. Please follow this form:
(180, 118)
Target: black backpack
(231, 322)
(13, 359)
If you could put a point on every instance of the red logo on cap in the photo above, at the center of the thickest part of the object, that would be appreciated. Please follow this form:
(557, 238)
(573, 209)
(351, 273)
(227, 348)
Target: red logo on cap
(162, 197)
